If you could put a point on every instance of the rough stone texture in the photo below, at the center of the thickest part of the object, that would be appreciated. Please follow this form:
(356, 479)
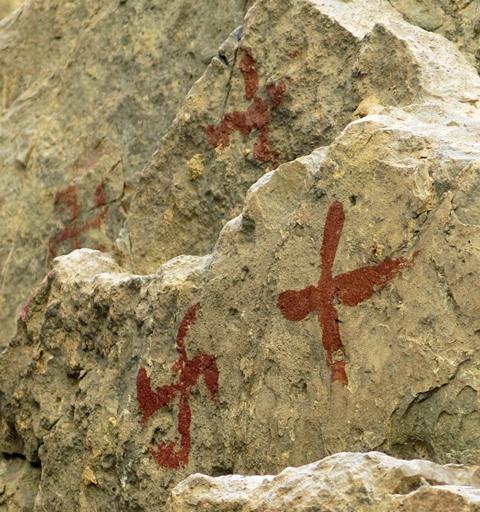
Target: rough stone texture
(87, 90)
(96, 386)
(457, 20)
(284, 90)
(370, 482)
(18, 484)
(336, 312)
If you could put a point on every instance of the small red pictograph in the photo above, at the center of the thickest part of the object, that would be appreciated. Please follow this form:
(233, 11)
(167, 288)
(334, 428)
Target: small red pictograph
(66, 205)
(256, 117)
(169, 455)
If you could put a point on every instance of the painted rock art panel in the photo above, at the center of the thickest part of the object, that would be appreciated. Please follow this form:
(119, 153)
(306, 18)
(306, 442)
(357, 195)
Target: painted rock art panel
(77, 222)
(119, 385)
(256, 118)
(150, 400)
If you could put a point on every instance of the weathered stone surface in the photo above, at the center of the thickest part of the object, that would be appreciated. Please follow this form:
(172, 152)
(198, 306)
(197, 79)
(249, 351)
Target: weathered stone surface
(336, 312)
(119, 386)
(370, 482)
(284, 90)
(7, 6)
(456, 20)
(87, 90)
(19, 482)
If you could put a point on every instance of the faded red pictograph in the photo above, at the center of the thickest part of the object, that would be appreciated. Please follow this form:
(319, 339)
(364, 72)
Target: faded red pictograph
(350, 289)
(256, 117)
(66, 201)
(167, 455)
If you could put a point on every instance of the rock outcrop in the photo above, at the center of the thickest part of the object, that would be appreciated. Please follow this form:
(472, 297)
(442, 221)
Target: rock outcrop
(282, 91)
(371, 482)
(87, 90)
(457, 21)
(329, 308)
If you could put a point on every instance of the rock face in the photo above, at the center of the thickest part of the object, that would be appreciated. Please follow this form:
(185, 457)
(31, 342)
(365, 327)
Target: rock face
(371, 482)
(279, 93)
(7, 6)
(336, 312)
(457, 21)
(86, 92)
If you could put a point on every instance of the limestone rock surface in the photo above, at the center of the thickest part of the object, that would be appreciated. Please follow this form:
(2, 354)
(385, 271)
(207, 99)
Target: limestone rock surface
(458, 21)
(87, 90)
(277, 91)
(370, 482)
(336, 310)
(7, 6)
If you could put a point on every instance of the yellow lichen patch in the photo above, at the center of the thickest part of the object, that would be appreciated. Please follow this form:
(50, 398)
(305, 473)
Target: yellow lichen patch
(196, 167)
(168, 215)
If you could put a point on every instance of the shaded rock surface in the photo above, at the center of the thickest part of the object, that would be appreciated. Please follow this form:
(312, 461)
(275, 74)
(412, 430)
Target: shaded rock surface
(86, 92)
(19, 482)
(370, 482)
(336, 311)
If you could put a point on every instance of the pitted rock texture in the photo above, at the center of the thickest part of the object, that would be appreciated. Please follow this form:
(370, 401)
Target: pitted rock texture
(336, 312)
(277, 91)
(87, 90)
(370, 482)
(19, 482)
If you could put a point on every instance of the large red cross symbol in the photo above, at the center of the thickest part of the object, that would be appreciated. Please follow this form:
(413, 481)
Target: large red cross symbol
(349, 289)
(189, 371)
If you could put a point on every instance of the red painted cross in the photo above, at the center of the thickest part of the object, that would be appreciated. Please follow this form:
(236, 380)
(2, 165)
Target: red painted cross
(189, 371)
(350, 289)
(255, 118)
(69, 197)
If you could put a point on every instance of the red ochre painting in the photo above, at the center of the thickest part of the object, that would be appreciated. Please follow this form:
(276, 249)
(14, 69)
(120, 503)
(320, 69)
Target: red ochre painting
(67, 199)
(350, 289)
(175, 454)
(256, 117)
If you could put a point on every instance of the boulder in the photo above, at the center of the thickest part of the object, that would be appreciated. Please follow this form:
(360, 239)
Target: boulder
(370, 482)
(457, 21)
(277, 91)
(335, 312)
(86, 92)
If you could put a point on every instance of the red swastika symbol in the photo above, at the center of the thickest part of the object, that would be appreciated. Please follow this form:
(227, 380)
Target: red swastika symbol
(350, 289)
(256, 117)
(68, 197)
(189, 371)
